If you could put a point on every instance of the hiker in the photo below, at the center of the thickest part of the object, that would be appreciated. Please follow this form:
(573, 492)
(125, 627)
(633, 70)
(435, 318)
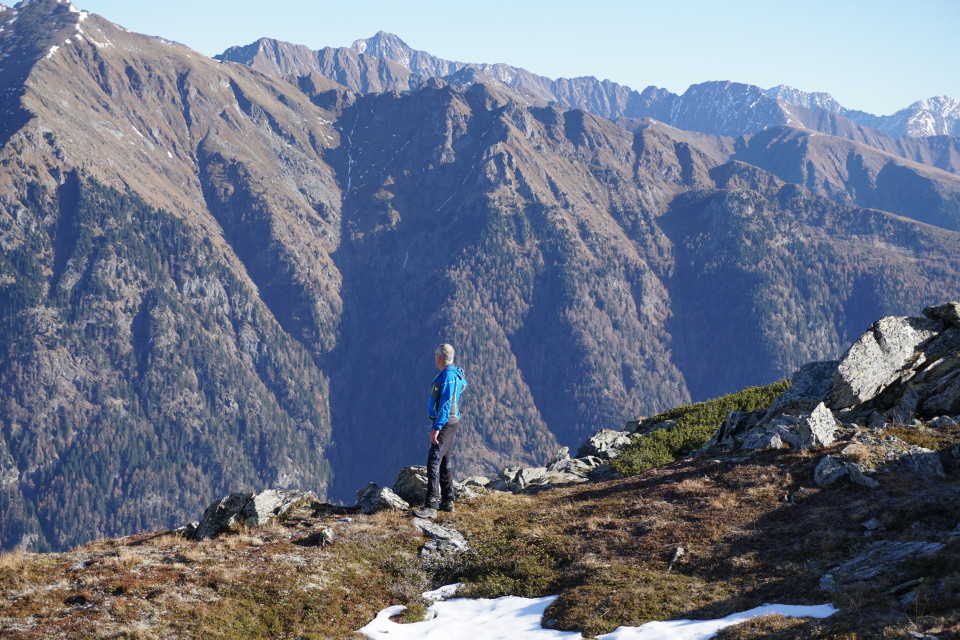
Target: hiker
(444, 412)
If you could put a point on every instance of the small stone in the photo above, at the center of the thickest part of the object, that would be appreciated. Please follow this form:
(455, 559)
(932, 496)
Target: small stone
(871, 525)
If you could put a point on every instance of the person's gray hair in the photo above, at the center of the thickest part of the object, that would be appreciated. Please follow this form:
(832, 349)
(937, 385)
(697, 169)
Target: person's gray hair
(445, 353)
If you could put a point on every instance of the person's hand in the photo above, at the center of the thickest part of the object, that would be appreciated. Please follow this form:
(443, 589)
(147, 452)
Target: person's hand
(434, 435)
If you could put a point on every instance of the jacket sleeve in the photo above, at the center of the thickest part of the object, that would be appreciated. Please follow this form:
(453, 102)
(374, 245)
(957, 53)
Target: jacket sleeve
(442, 398)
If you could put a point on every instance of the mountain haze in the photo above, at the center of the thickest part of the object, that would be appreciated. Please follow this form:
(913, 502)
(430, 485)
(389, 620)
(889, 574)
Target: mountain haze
(220, 277)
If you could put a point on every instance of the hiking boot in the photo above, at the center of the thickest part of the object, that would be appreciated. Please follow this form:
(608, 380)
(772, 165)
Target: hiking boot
(425, 512)
(447, 506)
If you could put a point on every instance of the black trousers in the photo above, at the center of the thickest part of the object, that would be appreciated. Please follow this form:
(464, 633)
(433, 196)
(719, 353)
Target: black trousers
(440, 469)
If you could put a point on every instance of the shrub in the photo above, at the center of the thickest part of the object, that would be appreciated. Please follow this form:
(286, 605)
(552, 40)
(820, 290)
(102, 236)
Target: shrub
(695, 425)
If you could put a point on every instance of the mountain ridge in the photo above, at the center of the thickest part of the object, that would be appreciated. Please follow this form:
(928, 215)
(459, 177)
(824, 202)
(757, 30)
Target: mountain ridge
(204, 265)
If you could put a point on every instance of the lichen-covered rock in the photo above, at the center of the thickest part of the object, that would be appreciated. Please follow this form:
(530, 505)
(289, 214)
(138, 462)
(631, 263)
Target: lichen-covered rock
(873, 361)
(605, 444)
(445, 541)
(247, 508)
(411, 484)
(374, 498)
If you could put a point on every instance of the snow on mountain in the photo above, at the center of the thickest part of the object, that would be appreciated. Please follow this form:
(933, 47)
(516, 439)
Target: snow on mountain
(815, 100)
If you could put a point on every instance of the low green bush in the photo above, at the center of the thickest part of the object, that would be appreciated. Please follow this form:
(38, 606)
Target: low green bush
(695, 425)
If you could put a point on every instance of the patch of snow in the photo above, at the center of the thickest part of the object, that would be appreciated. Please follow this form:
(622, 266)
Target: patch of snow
(84, 15)
(512, 617)
(50, 53)
(169, 155)
(704, 629)
(505, 618)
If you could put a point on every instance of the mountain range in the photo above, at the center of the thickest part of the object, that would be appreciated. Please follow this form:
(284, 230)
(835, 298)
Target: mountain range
(224, 275)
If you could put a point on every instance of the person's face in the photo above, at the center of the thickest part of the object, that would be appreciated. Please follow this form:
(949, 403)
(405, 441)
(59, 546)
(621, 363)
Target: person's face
(440, 363)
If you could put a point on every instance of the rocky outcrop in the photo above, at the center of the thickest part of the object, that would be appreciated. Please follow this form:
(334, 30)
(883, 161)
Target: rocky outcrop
(902, 373)
(880, 357)
(250, 509)
(760, 430)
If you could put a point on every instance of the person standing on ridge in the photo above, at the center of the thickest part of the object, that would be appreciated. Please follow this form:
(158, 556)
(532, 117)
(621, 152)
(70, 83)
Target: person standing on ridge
(444, 412)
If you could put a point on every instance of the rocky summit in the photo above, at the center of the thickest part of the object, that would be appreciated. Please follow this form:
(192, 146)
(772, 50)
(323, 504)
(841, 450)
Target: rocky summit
(219, 278)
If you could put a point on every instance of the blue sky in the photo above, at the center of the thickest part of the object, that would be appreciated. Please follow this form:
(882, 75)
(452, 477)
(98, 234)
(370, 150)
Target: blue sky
(874, 55)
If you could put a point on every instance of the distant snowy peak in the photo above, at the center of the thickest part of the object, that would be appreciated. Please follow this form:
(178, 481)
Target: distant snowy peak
(391, 47)
(384, 45)
(26, 3)
(937, 116)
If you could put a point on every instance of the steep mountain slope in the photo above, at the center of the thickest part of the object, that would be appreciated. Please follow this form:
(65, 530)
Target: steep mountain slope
(215, 278)
(155, 354)
(856, 174)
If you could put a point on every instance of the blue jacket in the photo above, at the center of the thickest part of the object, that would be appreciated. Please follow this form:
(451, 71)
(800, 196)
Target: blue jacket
(444, 406)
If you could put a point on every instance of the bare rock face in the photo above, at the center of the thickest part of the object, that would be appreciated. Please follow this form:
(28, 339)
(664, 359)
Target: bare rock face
(373, 498)
(875, 360)
(247, 508)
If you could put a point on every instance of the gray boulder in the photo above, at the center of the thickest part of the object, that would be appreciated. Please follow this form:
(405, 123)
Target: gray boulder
(373, 498)
(247, 508)
(605, 444)
(516, 479)
(832, 469)
(875, 359)
(943, 397)
(891, 453)
(411, 484)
